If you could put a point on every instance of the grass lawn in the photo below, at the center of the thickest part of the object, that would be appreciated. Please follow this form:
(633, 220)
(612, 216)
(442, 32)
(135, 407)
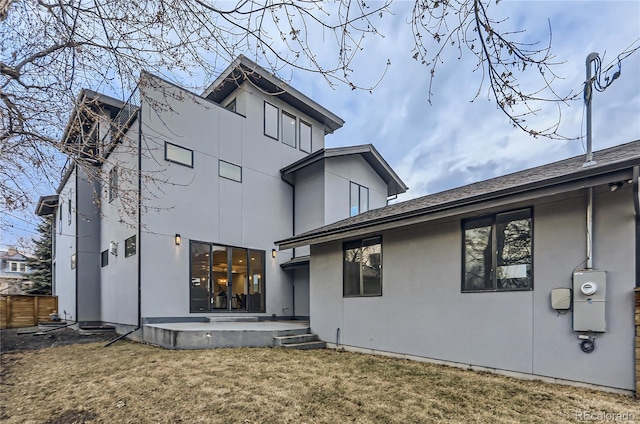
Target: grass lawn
(136, 383)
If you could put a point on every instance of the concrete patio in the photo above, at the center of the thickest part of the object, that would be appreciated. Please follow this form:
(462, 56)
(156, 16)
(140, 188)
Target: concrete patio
(221, 334)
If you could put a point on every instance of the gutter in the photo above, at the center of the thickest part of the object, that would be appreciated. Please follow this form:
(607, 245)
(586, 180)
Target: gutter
(580, 177)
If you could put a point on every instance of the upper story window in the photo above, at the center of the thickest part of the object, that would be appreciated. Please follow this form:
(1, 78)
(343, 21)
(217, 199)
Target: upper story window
(358, 199)
(130, 246)
(113, 183)
(178, 154)
(497, 252)
(305, 136)
(231, 105)
(69, 210)
(230, 171)
(362, 267)
(17, 267)
(288, 129)
(271, 127)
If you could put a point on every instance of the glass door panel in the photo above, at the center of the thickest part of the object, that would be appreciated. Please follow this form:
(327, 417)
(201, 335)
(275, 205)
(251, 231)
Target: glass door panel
(219, 275)
(238, 289)
(199, 282)
(255, 296)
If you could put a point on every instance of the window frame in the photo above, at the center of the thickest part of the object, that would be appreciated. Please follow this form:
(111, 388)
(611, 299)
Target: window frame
(292, 117)
(128, 243)
(491, 221)
(348, 245)
(188, 164)
(232, 105)
(277, 111)
(69, 209)
(360, 188)
(113, 183)
(104, 258)
(228, 177)
(20, 266)
(302, 122)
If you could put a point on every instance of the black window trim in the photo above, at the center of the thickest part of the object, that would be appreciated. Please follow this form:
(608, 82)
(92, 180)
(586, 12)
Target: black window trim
(128, 253)
(166, 143)
(113, 183)
(264, 121)
(220, 161)
(295, 128)
(104, 258)
(300, 123)
(492, 219)
(355, 242)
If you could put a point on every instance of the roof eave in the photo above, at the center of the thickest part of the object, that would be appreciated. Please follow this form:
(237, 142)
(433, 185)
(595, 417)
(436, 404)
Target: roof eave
(338, 233)
(46, 205)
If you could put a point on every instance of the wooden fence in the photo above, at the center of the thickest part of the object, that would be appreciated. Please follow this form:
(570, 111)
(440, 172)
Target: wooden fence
(26, 310)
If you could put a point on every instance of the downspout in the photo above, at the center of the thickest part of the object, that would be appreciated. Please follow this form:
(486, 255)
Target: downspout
(636, 207)
(293, 233)
(589, 228)
(76, 245)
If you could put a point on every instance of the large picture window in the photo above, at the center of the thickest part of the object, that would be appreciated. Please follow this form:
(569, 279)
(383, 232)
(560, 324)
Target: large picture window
(362, 267)
(497, 252)
(225, 278)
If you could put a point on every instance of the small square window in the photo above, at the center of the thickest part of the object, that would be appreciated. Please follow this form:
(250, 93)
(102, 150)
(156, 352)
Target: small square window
(230, 171)
(130, 246)
(104, 258)
(178, 154)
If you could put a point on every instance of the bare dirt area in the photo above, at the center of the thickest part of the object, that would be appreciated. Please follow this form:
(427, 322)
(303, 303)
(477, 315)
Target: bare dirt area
(137, 383)
(20, 339)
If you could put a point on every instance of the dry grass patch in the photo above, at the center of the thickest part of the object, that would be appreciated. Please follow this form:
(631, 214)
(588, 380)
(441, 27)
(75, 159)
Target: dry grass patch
(136, 383)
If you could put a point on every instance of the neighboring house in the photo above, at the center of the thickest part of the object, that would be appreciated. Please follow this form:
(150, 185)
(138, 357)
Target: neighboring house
(196, 190)
(13, 267)
(468, 276)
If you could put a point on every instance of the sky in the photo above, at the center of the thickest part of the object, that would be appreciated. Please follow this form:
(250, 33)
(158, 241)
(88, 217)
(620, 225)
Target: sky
(457, 140)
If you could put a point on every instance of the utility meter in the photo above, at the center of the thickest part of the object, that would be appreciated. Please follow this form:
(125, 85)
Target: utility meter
(589, 288)
(589, 300)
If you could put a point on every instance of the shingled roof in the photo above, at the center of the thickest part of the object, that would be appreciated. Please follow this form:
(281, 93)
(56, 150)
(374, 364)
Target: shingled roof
(610, 160)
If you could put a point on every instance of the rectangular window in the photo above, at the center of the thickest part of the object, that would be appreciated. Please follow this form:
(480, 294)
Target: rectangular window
(288, 129)
(113, 183)
(305, 137)
(178, 154)
(230, 171)
(362, 267)
(497, 252)
(224, 278)
(17, 267)
(69, 210)
(271, 120)
(104, 258)
(130, 246)
(359, 199)
(73, 261)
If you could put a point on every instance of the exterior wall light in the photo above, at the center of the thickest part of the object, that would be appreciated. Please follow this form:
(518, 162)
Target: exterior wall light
(178, 240)
(273, 253)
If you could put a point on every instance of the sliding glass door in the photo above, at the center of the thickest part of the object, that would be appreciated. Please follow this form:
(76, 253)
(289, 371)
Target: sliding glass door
(225, 278)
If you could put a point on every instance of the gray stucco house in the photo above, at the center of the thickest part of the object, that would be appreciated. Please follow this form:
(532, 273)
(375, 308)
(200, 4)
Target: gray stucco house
(228, 204)
(529, 274)
(196, 189)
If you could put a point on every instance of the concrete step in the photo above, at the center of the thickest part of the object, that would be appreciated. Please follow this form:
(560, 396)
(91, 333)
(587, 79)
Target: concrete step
(306, 345)
(232, 319)
(299, 341)
(96, 329)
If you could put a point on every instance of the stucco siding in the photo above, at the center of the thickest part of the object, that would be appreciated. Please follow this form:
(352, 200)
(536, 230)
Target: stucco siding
(65, 287)
(424, 313)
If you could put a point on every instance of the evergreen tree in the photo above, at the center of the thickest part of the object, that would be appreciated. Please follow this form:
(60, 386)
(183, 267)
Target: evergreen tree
(40, 264)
